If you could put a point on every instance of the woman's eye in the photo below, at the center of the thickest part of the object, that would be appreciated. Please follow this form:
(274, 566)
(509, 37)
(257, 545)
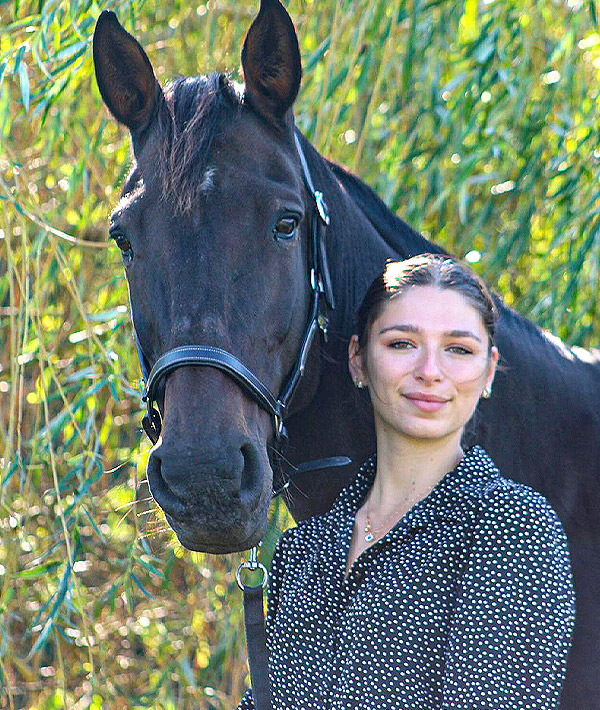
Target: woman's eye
(286, 228)
(401, 344)
(459, 350)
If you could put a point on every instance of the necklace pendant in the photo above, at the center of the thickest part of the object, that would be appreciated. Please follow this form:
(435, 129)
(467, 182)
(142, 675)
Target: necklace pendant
(369, 537)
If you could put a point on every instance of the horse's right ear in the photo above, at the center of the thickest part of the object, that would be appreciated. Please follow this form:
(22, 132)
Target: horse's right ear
(271, 61)
(124, 74)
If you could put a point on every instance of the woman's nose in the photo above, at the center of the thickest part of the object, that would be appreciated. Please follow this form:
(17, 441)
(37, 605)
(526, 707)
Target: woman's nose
(428, 366)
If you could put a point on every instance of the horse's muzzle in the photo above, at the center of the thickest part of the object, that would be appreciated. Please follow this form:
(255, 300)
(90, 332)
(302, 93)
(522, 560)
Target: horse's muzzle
(215, 503)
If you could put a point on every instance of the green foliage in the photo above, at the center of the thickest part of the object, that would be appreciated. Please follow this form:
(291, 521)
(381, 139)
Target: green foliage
(476, 121)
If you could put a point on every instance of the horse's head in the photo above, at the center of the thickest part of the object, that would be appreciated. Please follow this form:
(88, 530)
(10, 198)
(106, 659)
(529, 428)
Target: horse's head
(212, 228)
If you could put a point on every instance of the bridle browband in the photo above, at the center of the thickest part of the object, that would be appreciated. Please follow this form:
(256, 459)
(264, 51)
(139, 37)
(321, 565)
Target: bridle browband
(321, 299)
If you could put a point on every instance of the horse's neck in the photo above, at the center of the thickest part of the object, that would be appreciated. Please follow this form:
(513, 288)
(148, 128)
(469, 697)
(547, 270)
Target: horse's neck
(363, 234)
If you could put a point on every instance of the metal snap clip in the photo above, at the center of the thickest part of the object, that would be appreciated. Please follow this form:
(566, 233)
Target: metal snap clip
(252, 564)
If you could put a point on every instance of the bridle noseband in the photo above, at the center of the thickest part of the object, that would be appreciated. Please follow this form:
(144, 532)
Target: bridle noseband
(321, 299)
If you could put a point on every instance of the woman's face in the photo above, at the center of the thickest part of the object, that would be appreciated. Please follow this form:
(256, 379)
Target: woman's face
(426, 363)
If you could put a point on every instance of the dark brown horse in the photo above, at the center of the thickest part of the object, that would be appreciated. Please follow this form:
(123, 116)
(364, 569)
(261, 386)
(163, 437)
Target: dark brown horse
(213, 226)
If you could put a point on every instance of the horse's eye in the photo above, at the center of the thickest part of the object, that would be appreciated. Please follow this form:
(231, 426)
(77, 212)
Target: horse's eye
(124, 245)
(286, 228)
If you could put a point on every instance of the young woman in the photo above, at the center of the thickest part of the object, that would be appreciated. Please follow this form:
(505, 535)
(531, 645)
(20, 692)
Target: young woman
(433, 582)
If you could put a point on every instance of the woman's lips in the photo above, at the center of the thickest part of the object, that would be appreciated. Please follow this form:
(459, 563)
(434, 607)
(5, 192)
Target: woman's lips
(426, 402)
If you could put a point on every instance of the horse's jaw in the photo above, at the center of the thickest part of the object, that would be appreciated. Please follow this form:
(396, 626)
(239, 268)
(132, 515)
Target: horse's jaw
(221, 542)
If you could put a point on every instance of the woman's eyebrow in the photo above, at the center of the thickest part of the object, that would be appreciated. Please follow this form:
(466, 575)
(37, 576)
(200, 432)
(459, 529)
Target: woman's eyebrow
(407, 328)
(403, 327)
(463, 334)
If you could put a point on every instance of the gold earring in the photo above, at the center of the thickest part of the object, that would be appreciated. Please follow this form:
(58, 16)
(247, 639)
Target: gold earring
(487, 392)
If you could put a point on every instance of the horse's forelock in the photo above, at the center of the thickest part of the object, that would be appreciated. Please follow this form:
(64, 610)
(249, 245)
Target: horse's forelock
(192, 113)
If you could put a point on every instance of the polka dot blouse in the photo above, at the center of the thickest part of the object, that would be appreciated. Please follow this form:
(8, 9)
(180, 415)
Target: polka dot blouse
(466, 604)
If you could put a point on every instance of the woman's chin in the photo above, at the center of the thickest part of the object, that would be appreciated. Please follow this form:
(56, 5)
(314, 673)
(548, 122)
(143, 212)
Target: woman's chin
(415, 427)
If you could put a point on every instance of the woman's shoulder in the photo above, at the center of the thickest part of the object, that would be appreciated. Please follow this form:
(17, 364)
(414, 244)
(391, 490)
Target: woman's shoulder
(306, 530)
(306, 534)
(513, 505)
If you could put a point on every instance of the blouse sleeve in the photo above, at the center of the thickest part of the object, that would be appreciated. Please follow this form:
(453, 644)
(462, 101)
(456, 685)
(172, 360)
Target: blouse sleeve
(276, 572)
(515, 610)
(247, 702)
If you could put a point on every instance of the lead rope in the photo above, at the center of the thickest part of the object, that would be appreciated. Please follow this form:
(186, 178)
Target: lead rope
(254, 615)
(256, 637)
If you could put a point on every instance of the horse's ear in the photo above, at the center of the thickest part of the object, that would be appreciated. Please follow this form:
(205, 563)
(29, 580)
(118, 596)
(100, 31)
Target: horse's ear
(124, 74)
(271, 61)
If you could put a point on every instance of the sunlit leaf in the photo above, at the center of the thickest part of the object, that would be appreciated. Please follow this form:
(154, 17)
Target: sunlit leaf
(24, 82)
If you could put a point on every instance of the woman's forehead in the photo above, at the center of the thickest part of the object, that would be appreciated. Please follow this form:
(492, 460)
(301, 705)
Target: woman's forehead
(430, 308)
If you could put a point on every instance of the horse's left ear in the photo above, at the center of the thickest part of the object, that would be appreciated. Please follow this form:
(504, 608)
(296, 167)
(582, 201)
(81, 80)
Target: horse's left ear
(271, 61)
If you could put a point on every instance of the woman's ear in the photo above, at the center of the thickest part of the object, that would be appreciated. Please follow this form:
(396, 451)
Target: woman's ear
(493, 360)
(355, 363)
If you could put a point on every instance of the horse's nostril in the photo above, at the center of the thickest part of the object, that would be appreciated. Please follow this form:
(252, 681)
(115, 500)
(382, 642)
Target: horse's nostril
(250, 481)
(162, 494)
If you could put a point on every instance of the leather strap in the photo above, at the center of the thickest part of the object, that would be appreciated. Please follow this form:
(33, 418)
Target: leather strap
(320, 222)
(256, 641)
(256, 638)
(212, 357)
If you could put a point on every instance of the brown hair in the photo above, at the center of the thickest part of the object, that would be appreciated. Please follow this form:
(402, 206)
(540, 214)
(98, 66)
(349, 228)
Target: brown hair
(437, 270)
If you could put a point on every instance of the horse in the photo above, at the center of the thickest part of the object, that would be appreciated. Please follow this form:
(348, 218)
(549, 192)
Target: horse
(214, 226)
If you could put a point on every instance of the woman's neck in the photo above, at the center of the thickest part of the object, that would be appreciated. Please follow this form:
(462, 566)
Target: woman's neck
(407, 469)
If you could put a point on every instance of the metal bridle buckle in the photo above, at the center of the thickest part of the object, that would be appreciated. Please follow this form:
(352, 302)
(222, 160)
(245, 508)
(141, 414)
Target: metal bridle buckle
(279, 426)
(322, 208)
(252, 564)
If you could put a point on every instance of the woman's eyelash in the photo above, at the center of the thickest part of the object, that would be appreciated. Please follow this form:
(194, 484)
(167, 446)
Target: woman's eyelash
(406, 344)
(400, 344)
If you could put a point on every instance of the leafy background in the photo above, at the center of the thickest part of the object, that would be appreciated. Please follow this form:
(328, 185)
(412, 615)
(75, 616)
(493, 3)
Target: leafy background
(475, 121)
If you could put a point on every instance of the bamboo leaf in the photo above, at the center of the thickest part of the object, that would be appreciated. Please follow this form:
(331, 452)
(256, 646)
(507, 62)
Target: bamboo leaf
(593, 12)
(140, 586)
(151, 568)
(24, 83)
(65, 585)
(39, 571)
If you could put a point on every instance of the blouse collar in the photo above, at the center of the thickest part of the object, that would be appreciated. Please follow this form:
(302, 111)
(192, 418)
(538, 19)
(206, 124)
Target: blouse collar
(453, 498)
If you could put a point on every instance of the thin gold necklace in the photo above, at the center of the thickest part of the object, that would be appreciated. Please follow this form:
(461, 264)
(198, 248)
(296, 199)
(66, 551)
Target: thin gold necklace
(370, 534)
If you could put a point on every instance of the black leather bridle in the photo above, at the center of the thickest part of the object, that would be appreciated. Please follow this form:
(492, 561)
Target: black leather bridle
(209, 356)
(321, 301)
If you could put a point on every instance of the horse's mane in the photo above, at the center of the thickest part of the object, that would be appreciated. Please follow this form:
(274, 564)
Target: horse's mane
(396, 233)
(189, 118)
